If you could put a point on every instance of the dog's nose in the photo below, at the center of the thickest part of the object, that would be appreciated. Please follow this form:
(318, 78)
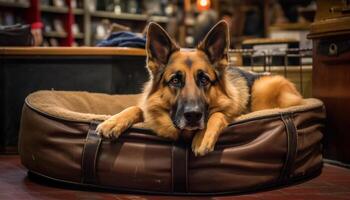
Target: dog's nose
(193, 116)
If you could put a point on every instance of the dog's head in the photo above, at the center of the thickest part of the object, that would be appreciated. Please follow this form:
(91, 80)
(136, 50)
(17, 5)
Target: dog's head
(187, 79)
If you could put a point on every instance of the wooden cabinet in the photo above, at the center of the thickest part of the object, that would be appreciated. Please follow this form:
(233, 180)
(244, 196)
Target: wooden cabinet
(331, 74)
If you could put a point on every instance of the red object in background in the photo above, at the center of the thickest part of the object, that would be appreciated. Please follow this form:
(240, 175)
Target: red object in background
(33, 17)
(36, 29)
(203, 5)
(33, 13)
(37, 25)
(69, 21)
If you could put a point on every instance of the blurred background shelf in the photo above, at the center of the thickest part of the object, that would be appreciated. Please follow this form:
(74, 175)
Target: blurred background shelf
(53, 9)
(123, 16)
(79, 36)
(14, 4)
(159, 19)
(78, 11)
(185, 20)
(55, 34)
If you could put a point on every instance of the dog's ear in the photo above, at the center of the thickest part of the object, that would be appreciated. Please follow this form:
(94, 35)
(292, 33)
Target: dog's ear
(159, 47)
(216, 43)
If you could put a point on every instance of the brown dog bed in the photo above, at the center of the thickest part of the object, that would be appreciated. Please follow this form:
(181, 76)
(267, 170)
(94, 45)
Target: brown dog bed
(259, 150)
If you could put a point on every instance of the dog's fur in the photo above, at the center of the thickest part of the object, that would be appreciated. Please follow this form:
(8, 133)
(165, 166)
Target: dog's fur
(194, 92)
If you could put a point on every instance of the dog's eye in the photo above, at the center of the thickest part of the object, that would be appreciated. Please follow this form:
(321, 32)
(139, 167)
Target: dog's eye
(175, 81)
(204, 81)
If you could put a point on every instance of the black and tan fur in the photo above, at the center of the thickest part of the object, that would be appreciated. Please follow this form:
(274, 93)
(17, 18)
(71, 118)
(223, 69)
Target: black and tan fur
(194, 92)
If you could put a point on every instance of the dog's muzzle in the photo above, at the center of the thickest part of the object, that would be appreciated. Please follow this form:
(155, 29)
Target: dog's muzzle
(193, 117)
(189, 116)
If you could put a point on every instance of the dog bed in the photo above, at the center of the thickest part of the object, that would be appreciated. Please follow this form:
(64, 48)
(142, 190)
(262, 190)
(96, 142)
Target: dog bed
(259, 150)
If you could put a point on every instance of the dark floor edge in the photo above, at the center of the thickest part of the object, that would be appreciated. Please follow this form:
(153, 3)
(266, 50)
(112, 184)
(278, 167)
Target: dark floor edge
(337, 163)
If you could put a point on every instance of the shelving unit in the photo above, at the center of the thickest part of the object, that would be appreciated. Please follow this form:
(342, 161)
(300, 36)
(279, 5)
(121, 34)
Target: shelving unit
(83, 16)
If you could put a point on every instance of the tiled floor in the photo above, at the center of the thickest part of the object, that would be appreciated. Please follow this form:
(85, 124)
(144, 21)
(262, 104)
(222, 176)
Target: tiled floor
(332, 184)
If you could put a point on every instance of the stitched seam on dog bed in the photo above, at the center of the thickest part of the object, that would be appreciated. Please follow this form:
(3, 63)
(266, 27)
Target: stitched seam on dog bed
(291, 135)
(89, 156)
(179, 168)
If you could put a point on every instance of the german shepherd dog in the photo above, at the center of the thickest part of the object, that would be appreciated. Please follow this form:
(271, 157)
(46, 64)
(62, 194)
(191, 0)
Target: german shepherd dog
(195, 94)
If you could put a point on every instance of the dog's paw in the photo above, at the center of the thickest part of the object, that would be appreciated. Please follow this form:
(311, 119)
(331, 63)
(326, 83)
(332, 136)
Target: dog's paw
(111, 128)
(202, 145)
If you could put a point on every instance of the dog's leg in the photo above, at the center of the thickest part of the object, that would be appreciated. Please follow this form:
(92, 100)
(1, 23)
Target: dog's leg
(118, 123)
(162, 125)
(204, 141)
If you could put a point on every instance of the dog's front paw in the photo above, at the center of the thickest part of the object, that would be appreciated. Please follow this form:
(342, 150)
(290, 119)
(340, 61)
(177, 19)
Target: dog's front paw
(202, 145)
(111, 128)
